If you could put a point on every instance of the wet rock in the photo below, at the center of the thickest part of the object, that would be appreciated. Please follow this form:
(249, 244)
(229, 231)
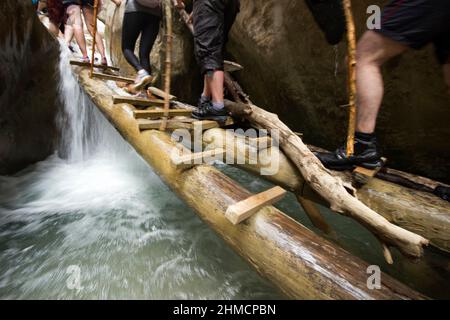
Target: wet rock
(28, 87)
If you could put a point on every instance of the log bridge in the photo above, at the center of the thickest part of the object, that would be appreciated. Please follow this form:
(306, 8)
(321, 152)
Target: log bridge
(301, 263)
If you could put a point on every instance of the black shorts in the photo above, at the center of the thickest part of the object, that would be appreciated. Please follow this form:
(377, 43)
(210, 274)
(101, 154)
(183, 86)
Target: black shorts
(212, 20)
(416, 23)
(89, 3)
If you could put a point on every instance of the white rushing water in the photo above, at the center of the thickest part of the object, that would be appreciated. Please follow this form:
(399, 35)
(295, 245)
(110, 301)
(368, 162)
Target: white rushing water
(94, 221)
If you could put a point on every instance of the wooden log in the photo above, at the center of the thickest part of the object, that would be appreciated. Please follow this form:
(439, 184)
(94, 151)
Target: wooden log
(96, 65)
(328, 186)
(159, 93)
(300, 263)
(417, 211)
(105, 76)
(244, 209)
(154, 114)
(138, 101)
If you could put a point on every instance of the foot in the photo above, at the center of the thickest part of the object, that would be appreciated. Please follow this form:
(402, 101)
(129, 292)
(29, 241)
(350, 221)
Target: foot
(85, 59)
(366, 155)
(143, 78)
(207, 112)
(104, 62)
(203, 102)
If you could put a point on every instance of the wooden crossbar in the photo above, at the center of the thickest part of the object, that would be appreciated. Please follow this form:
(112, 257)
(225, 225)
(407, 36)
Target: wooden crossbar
(155, 114)
(244, 209)
(105, 76)
(187, 123)
(136, 101)
(96, 65)
(145, 124)
(364, 175)
(190, 160)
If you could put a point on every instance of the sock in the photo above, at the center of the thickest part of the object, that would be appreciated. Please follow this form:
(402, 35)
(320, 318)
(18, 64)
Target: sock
(367, 137)
(218, 106)
(364, 141)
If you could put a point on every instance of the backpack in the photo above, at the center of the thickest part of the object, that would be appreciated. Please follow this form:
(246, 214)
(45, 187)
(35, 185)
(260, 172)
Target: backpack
(152, 4)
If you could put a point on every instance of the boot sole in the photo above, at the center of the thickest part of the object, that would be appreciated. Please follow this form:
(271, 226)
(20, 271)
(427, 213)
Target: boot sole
(145, 81)
(214, 118)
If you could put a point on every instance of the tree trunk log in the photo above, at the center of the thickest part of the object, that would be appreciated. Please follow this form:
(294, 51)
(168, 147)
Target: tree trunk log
(327, 186)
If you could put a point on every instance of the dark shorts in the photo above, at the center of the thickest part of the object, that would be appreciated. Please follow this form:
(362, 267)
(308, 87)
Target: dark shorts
(56, 12)
(416, 23)
(213, 20)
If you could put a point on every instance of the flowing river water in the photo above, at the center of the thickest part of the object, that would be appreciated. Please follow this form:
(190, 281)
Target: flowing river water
(94, 221)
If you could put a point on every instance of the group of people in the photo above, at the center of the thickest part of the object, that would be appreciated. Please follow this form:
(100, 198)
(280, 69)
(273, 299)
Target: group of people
(66, 20)
(405, 25)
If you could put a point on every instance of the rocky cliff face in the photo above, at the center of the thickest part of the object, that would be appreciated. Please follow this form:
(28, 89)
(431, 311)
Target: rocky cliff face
(291, 69)
(28, 87)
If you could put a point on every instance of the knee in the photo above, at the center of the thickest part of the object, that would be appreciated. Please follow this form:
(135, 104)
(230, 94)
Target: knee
(366, 53)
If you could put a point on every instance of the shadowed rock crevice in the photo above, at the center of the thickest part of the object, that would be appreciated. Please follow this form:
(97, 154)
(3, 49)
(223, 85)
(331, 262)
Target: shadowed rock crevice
(28, 87)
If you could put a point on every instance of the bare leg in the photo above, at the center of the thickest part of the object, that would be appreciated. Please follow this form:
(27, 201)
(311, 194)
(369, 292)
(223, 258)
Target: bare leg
(446, 68)
(75, 25)
(215, 84)
(372, 51)
(88, 14)
(53, 29)
(206, 91)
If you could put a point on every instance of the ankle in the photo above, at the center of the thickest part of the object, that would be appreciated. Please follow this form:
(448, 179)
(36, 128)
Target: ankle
(218, 106)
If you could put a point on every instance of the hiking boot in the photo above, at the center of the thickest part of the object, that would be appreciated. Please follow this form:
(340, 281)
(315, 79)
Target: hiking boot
(207, 112)
(203, 102)
(365, 155)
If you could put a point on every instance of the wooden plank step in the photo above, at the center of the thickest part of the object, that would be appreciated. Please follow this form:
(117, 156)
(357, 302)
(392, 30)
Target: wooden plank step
(155, 114)
(136, 101)
(364, 175)
(211, 124)
(230, 66)
(244, 209)
(145, 124)
(190, 160)
(105, 76)
(88, 64)
(159, 93)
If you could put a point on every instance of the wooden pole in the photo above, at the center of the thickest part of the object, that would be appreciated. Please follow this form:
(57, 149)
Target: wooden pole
(94, 35)
(168, 61)
(351, 40)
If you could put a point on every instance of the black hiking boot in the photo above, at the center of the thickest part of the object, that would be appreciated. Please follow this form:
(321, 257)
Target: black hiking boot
(202, 103)
(207, 112)
(365, 155)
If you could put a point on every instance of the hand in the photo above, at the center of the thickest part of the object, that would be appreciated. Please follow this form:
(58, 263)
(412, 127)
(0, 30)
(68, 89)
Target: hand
(117, 2)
